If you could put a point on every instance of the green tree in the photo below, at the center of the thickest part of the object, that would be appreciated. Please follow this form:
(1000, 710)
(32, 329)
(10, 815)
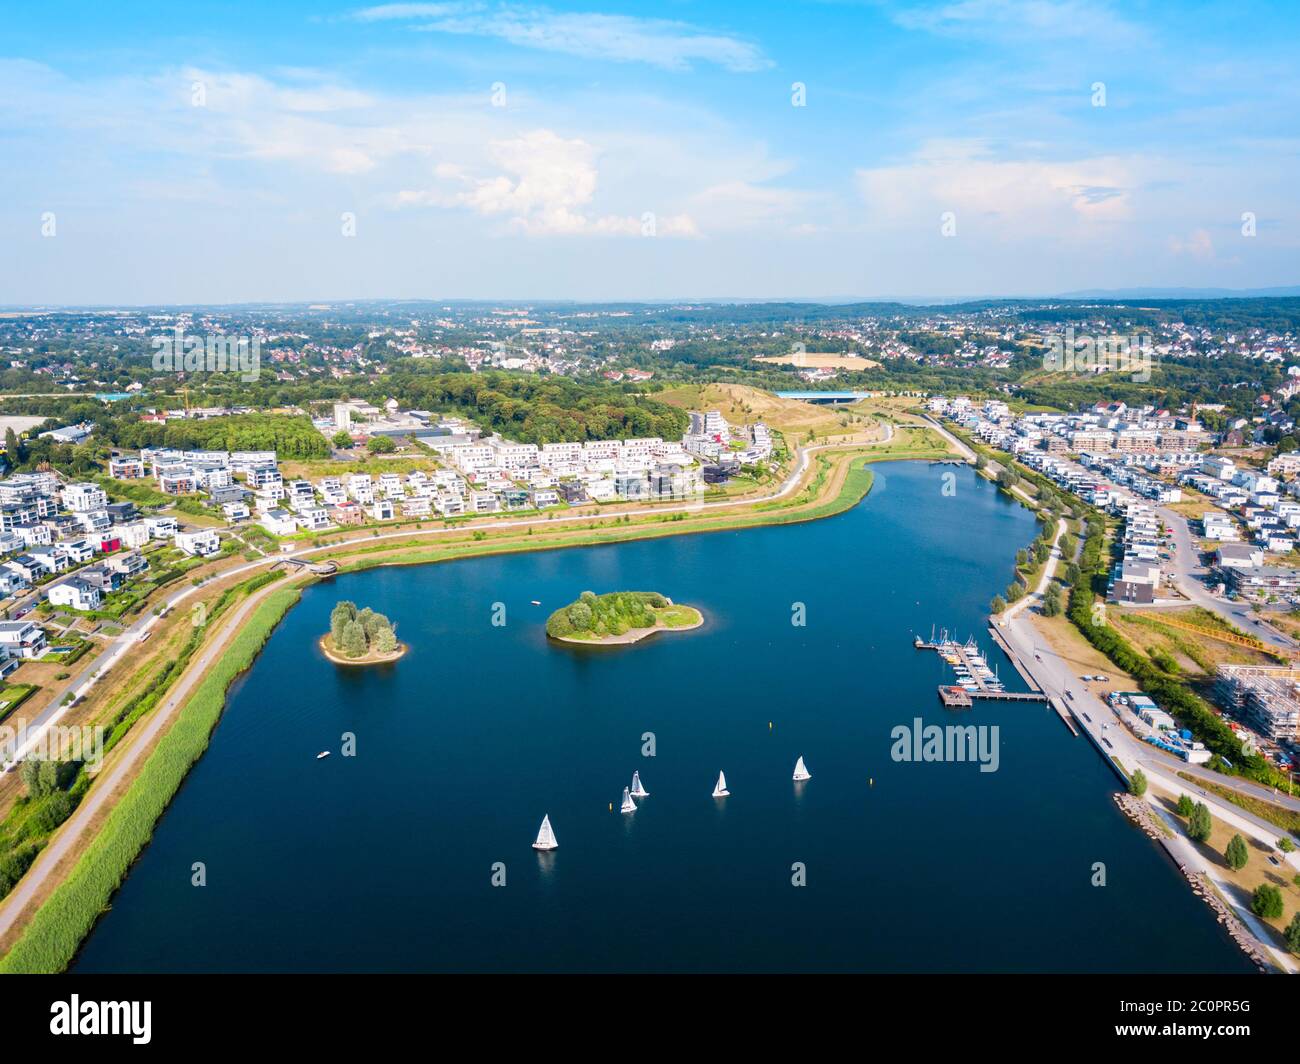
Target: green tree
(1200, 825)
(1267, 901)
(1185, 805)
(380, 445)
(580, 616)
(341, 439)
(1293, 934)
(1137, 783)
(385, 640)
(353, 643)
(1236, 854)
(998, 604)
(1285, 844)
(41, 776)
(1007, 479)
(339, 617)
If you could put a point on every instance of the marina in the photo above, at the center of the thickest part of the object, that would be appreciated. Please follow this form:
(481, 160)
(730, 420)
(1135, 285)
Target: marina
(975, 679)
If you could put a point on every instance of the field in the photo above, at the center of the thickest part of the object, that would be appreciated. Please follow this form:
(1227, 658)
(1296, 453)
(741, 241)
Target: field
(811, 360)
(739, 404)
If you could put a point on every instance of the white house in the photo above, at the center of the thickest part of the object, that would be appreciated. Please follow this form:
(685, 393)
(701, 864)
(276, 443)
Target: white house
(75, 593)
(199, 544)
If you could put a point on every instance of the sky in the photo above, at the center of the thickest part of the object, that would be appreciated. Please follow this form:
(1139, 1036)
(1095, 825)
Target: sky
(316, 151)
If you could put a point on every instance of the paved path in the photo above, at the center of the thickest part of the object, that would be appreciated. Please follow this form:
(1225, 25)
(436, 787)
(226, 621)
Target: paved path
(140, 738)
(1049, 570)
(1056, 677)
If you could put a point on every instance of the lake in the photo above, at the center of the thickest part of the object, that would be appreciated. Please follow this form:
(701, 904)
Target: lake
(384, 861)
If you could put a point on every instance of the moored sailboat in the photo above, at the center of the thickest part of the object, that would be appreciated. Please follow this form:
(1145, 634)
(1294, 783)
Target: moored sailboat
(545, 837)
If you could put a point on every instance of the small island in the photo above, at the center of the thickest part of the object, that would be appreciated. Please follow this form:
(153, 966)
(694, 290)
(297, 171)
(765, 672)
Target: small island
(619, 617)
(360, 637)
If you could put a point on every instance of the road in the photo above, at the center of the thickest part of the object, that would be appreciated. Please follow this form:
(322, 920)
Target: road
(1055, 677)
(1188, 575)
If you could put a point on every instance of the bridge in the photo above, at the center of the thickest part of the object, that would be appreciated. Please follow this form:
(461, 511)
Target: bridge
(316, 568)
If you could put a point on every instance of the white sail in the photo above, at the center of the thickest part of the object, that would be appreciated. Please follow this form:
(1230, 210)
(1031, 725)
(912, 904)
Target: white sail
(638, 791)
(801, 770)
(720, 791)
(545, 837)
(629, 806)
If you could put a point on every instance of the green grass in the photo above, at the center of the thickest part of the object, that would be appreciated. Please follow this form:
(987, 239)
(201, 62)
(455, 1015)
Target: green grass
(51, 940)
(1277, 815)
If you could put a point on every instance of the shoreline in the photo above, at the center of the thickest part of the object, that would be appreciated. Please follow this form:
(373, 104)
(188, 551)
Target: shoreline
(369, 659)
(842, 462)
(632, 635)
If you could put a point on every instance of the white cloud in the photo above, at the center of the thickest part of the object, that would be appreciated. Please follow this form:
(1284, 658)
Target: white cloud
(545, 186)
(664, 43)
(1019, 197)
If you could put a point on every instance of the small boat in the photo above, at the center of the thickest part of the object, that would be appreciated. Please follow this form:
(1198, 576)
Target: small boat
(323, 753)
(537, 602)
(638, 791)
(545, 837)
(628, 805)
(801, 772)
(720, 790)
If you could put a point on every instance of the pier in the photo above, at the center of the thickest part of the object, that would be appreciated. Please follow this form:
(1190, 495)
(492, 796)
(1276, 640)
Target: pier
(977, 680)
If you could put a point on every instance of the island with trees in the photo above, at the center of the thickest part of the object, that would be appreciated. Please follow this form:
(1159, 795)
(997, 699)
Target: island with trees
(619, 617)
(360, 637)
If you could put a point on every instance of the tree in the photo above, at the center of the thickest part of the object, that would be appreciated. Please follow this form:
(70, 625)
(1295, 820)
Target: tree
(1267, 902)
(1293, 934)
(1137, 783)
(381, 445)
(353, 643)
(1236, 854)
(1052, 601)
(41, 776)
(580, 616)
(1007, 479)
(12, 448)
(341, 439)
(1022, 558)
(1200, 825)
(1184, 805)
(385, 640)
(998, 604)
(980, 461)
(1285, 844)
(374, 623)
(341, 614)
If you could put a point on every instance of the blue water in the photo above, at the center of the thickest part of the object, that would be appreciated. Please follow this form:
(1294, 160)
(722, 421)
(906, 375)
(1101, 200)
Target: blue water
(383, 861)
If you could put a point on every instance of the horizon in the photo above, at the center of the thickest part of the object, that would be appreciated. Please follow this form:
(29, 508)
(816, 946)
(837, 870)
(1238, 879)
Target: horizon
(585, 151)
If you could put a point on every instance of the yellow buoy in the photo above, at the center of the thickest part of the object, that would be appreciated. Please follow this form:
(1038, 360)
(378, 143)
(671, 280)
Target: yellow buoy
(611, 807)
(769, 725)
(871, 781)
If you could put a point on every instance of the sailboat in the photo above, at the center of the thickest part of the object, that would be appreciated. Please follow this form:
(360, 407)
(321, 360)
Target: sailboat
(720, 791)
(545, 837)
(628, 806)
(637, 790)
(801, 772)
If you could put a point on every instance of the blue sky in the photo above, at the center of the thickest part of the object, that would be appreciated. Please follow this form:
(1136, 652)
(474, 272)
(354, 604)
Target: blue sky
(207, 152)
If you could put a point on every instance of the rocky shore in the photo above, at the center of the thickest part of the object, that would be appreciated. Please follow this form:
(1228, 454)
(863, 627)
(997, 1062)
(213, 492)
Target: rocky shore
(1140, 813)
